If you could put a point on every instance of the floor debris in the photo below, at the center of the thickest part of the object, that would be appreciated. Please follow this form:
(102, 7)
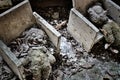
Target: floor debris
(73, 63)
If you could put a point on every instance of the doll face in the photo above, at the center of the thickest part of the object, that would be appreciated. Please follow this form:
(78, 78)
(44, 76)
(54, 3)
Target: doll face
(97, 14)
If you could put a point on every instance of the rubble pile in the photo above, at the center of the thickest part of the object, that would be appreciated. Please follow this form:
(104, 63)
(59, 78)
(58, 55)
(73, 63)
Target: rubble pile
(56, 15)
(34, 49)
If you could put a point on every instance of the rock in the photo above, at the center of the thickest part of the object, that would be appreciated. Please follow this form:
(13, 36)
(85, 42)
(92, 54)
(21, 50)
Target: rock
(87, 65)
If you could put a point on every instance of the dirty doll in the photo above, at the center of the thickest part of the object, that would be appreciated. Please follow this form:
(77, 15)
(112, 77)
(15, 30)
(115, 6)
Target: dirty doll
(110, 29)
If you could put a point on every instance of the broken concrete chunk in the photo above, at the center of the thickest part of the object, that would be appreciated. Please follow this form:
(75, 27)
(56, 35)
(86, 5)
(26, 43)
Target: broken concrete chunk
(5, 4)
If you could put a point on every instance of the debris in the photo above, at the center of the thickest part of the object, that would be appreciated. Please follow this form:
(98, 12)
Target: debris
(32, 49)
(55, 15)
(107, 45)
(114, 50)
(87, 65)
(61, 25)
(59, 75)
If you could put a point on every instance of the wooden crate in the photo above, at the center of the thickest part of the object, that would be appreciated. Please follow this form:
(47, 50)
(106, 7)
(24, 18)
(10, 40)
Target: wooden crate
(83, 30)
(10, 58)
(13, 22)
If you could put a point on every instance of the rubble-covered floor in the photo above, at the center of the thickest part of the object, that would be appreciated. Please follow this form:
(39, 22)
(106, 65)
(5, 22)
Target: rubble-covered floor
(74, 63)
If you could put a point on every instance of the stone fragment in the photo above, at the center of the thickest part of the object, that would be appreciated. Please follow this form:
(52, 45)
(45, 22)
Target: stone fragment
(87, 65)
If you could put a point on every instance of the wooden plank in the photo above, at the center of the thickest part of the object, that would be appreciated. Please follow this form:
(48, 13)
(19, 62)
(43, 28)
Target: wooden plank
(15, 20)
(11, 60)
(82, 29)
(53, 34)
(113, 10)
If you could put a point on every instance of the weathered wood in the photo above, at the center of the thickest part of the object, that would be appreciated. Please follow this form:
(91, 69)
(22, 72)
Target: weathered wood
(82, 5)
(53, 34)
(15, 20)
(113, 10)
(11, 60)
(83, 30)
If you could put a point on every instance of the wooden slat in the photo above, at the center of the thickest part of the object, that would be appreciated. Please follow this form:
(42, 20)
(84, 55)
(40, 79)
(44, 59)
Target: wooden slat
(53, 34)
(11, 60)
(82, 30)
